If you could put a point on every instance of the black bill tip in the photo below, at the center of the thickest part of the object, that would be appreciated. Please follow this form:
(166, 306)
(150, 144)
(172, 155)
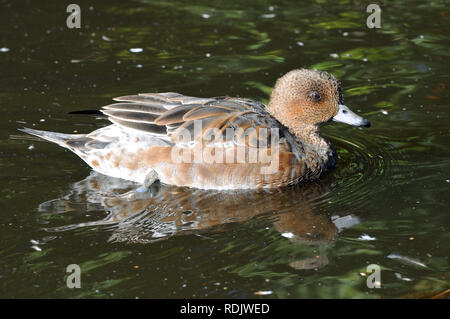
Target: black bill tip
(365, 123)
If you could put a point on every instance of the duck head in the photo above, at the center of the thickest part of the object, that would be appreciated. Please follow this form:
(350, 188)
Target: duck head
(303, 99)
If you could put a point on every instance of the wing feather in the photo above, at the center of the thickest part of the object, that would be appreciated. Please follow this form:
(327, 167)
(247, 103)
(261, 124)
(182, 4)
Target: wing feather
(171, 115)
(144, 127)
(176, 114)
(147, 99)
(205, 111)
(137, 107)
(131, 116)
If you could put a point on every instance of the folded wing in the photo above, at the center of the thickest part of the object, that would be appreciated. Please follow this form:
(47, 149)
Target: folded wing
(185, 119)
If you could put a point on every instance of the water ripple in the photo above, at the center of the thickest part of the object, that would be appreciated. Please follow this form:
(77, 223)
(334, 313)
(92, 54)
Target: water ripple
(366, 165)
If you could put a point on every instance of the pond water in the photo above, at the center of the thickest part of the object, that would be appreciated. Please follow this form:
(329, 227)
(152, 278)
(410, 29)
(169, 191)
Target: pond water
(386, 203)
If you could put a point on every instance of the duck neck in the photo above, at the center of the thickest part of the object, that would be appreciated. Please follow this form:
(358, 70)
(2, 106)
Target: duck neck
(309, 135)
(314, 143)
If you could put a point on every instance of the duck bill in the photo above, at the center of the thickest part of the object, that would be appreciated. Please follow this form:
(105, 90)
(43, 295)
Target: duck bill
(345, 115)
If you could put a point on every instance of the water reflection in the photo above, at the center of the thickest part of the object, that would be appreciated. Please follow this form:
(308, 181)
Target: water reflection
(165, 211)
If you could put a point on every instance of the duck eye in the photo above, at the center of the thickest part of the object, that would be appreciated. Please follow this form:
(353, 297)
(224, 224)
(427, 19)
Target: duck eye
(315, 96)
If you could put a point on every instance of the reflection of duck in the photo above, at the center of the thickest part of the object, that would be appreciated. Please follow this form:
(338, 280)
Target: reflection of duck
(165, 211)
(217, 143)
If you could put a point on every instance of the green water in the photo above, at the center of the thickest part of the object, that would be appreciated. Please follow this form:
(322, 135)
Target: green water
(386, 203)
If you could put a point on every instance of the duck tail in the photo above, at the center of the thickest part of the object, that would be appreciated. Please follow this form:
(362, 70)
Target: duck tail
(58, 138)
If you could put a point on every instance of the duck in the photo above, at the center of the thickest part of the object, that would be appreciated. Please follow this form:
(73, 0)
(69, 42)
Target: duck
(220, 142)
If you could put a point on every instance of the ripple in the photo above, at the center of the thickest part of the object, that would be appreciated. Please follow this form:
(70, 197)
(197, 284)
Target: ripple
(366, 165)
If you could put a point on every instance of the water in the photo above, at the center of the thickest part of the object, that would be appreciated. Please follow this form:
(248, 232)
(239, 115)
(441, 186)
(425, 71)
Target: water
(386, 203)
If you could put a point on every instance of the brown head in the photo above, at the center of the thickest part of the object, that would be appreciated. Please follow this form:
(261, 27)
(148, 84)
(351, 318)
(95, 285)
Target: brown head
(302, 99)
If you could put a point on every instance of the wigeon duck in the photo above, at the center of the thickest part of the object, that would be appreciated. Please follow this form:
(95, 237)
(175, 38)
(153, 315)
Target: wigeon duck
(220, 142)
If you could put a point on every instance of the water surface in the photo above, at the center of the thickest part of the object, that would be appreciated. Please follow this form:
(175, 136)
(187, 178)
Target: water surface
(386, 203)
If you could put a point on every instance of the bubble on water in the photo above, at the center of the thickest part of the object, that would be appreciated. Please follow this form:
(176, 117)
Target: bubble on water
(399, 276)
(206, 16)
(366, 237)
(334, 55)
(37, 248)
(105, 38)
(300, 43)
(31, 147)
(4, 49)
(384, 112)
(136, 50)
(208, 55)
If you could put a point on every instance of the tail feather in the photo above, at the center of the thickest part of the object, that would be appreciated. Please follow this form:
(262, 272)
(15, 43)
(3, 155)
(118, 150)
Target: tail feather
(58, 138)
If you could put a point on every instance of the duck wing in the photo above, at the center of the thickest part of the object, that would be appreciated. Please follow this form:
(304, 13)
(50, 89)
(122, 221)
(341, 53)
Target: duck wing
(185, 119)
